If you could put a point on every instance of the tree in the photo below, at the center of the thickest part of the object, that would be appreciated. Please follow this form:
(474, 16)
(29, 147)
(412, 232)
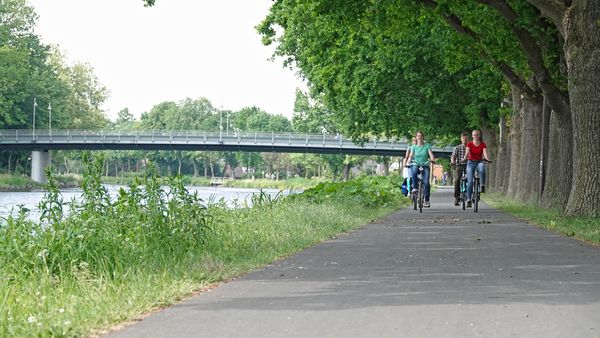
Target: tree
(578, 24)
(367, 59)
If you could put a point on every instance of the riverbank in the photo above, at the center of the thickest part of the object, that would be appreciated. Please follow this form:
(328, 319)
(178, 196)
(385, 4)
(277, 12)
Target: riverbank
(16, 183)
(259, 183)
(114, 260)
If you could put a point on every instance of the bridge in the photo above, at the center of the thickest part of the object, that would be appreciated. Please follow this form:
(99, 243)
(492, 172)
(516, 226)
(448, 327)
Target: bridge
(41, 142)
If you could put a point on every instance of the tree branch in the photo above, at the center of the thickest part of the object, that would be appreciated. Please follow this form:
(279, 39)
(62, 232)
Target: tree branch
(554, 10)
(557, 99)
(509, 74)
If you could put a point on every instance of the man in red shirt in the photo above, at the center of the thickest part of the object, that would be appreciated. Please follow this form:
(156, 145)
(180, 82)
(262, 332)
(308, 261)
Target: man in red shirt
(476, 152)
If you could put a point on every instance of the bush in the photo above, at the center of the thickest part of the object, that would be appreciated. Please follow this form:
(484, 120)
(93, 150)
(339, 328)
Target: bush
(369, 191)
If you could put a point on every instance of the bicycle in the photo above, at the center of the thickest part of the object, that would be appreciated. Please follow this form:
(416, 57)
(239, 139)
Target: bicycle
(476, 196)
(418, 196)
(462, 197)
(463, 189)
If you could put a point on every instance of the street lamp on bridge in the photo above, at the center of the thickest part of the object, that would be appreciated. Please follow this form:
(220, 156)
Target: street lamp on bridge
(50, 118)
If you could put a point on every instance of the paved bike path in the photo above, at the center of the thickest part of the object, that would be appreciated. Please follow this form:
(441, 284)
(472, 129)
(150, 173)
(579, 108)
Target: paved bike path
(443, 273)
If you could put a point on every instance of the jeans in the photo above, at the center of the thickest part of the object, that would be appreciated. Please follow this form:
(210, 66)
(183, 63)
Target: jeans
(415, 172)
(457, 178)
(471, 173)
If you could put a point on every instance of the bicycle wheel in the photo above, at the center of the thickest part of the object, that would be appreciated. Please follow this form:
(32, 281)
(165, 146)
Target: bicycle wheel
(414, 196)
(421, 197)
(476, 194)
(463, 194)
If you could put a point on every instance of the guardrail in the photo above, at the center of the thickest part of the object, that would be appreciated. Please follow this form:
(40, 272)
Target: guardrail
(14, 139)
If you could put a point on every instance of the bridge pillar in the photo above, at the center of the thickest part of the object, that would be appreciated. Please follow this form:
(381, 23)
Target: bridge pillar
(40, 160)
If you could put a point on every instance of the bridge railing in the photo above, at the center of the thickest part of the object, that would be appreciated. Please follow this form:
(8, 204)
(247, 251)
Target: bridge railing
(72, 139)
(27, 136)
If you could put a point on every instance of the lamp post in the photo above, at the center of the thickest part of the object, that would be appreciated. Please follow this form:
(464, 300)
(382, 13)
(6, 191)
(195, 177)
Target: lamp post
(221, 124)
(34, 105)
(50, 118)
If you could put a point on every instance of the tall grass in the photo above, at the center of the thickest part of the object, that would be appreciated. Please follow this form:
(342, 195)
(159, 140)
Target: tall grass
(112, 260)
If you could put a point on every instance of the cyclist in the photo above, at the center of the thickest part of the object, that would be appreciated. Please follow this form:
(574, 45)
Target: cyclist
(405, 166)
(457, 159)
(421, 155)
(476, 151)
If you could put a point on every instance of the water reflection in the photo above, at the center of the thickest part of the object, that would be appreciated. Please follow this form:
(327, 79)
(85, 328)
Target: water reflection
(10, 201)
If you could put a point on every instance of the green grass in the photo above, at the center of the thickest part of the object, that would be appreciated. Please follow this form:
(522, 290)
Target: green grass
(111, 261)
(261, 183)
(24, 183)
(11, 182)
(294, 183)
(583, 228)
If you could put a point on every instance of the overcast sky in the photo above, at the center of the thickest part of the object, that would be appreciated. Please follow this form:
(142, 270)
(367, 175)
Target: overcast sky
(174, 50)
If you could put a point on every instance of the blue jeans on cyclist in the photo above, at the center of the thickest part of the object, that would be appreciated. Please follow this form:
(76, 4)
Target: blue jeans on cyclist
(471, 173)
(415, 172)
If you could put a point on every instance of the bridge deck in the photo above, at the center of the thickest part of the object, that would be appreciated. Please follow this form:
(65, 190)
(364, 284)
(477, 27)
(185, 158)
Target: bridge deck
(200, 140)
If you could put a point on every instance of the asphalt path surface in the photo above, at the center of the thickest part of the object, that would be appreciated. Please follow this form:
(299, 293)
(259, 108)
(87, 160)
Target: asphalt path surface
(443, 273)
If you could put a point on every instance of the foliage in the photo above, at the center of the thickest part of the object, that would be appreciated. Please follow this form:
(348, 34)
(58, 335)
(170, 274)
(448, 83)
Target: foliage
(102, 233)
(368, 191)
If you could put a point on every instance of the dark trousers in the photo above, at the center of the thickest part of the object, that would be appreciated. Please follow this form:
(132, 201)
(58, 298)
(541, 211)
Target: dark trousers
(457, 177)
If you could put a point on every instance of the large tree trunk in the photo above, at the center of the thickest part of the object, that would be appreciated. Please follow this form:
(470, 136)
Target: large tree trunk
(544, 148)
(502, 160)
(491, 140)
(560, 162)
(515, 144)
(582, 49)
(529, 183)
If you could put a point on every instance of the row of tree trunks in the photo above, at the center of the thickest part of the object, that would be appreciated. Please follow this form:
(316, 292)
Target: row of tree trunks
(582, 51)
(502, 168)
(528, 188)
(560, 162)
(515, 143)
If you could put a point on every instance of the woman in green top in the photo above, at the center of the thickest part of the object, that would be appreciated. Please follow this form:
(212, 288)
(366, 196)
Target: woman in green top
(421, 155)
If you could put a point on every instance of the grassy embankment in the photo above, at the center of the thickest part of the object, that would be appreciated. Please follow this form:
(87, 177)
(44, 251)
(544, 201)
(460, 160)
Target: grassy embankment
(582, 228)
(260, 183)
(112, 261)
(24, 183)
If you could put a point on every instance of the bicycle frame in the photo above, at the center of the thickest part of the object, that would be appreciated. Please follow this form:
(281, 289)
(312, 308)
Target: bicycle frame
(420, 193)
(476, 194)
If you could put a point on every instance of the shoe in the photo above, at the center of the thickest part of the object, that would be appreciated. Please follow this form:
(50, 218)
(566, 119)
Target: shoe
(427, 205)
(456, 202)
(469, 204)
(483, 189)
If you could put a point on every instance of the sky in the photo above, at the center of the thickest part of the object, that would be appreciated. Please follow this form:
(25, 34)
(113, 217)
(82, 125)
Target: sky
(174, 50)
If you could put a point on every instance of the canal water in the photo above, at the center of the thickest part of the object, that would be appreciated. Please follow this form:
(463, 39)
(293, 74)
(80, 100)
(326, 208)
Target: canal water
(11, 201)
